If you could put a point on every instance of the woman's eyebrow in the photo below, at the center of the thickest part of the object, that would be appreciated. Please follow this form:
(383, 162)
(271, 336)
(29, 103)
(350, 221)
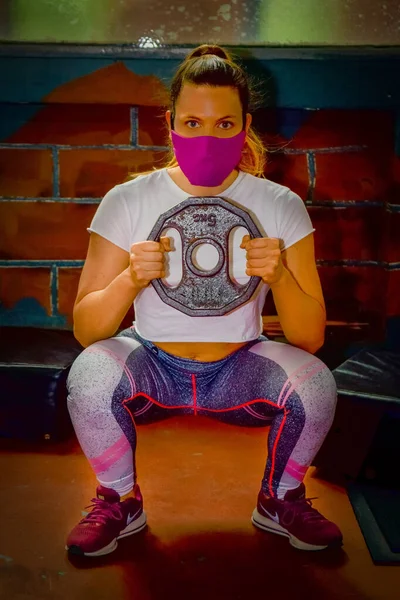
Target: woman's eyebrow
(201, 118)
(227, 117)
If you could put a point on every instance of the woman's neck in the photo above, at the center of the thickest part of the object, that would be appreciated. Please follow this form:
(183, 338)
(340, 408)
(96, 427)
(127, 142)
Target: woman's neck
(195, 190)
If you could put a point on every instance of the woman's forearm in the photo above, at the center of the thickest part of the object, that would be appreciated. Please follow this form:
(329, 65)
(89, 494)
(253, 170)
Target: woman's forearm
(302, 317)
(99, 314)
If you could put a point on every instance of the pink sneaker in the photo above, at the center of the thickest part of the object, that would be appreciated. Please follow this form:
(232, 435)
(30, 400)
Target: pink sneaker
(109, 520)
(295, 518)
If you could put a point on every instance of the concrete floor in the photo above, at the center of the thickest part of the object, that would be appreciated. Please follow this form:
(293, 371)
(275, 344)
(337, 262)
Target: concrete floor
(200, 480)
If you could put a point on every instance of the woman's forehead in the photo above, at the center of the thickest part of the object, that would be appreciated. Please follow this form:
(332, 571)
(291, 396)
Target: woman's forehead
(203, 96)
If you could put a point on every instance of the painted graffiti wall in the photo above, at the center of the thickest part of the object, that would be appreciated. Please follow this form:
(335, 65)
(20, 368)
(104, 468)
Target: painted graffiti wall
(73, 126)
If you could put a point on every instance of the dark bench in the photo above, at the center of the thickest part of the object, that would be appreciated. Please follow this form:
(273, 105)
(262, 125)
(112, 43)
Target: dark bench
(364, 446)
(368, 390)
(34, 365)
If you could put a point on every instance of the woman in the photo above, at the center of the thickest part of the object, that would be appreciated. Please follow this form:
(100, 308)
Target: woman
(169, 363)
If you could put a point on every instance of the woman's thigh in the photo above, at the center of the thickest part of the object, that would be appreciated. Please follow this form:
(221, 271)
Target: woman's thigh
(263, 380)
(121, 376)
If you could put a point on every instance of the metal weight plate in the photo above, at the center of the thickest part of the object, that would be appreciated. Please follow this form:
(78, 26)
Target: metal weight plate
(205, 220)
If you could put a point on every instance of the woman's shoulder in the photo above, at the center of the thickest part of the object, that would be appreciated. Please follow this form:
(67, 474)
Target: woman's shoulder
(145, 180)
(134, 192)
(267, 188)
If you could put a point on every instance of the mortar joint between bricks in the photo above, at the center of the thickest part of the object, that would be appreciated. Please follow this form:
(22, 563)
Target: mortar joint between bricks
(311, 167)
(134, 122)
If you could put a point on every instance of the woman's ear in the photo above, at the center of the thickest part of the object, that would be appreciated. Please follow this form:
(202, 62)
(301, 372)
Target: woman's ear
(249, 119)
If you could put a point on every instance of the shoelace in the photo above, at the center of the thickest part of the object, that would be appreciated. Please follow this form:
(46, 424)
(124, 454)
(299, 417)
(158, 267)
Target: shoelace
(102, 511)
(309, 515)
(296, 508)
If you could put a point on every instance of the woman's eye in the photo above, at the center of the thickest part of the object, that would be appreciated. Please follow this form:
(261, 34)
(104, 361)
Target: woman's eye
(226, 125)
(192, 124)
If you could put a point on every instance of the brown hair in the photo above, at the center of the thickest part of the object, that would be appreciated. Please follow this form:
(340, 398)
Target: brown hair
(212, 65)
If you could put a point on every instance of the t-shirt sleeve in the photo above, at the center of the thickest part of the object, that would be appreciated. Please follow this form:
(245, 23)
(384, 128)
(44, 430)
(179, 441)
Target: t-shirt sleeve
(293, 222)
(112, 219)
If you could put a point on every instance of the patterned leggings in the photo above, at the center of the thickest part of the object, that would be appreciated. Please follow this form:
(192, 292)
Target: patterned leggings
(126, 380)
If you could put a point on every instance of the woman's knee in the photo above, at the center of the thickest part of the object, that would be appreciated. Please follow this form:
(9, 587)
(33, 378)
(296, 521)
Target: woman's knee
(320, 393)
(94, 375)
(315, 388)
(328, 394)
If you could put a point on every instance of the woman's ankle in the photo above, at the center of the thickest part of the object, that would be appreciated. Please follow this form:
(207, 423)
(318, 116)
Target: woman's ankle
(131, 494)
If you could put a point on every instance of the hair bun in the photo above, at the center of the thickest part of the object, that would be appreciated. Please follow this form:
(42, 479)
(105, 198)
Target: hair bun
(209, 49)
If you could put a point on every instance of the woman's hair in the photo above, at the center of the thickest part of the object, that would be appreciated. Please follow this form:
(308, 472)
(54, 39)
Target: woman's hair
(212, 65)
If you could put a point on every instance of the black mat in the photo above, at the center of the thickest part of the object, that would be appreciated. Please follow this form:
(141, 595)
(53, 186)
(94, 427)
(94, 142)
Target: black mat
(370, 375)
(378, 514)
(34, 365)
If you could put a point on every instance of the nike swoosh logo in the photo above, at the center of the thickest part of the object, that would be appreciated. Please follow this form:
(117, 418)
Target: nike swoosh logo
(273, 517)
(130, 517)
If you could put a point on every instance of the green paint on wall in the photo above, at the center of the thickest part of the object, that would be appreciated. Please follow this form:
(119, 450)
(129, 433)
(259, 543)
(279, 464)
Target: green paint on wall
(54, 20)
(28, 312)
(306, 22)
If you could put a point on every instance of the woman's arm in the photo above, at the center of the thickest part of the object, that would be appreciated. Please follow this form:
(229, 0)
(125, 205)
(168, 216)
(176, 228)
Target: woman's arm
(110, 281)
(298, 297)
(105, 293)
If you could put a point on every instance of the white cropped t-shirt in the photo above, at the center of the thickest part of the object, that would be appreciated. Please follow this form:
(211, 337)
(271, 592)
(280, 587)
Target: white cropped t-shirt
(127, 214)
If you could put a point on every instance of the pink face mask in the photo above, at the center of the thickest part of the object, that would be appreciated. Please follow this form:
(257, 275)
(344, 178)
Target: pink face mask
(207, 160)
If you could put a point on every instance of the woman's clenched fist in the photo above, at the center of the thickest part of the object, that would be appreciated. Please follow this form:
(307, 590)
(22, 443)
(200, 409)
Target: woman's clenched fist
(263, 258)
(147, 261)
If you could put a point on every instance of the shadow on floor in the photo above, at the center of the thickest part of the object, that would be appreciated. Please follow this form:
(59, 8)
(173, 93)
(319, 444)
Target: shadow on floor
(217, 565)
(210, 566)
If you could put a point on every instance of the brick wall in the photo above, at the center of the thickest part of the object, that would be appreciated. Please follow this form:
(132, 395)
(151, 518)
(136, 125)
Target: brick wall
(54, 172)
(65, 153)
(341, 163)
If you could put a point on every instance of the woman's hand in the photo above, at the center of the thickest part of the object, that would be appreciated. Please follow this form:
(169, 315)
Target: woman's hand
(263, 258)
(147, 261)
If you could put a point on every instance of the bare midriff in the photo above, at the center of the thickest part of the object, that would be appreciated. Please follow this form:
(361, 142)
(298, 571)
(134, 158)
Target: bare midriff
(202, 351)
